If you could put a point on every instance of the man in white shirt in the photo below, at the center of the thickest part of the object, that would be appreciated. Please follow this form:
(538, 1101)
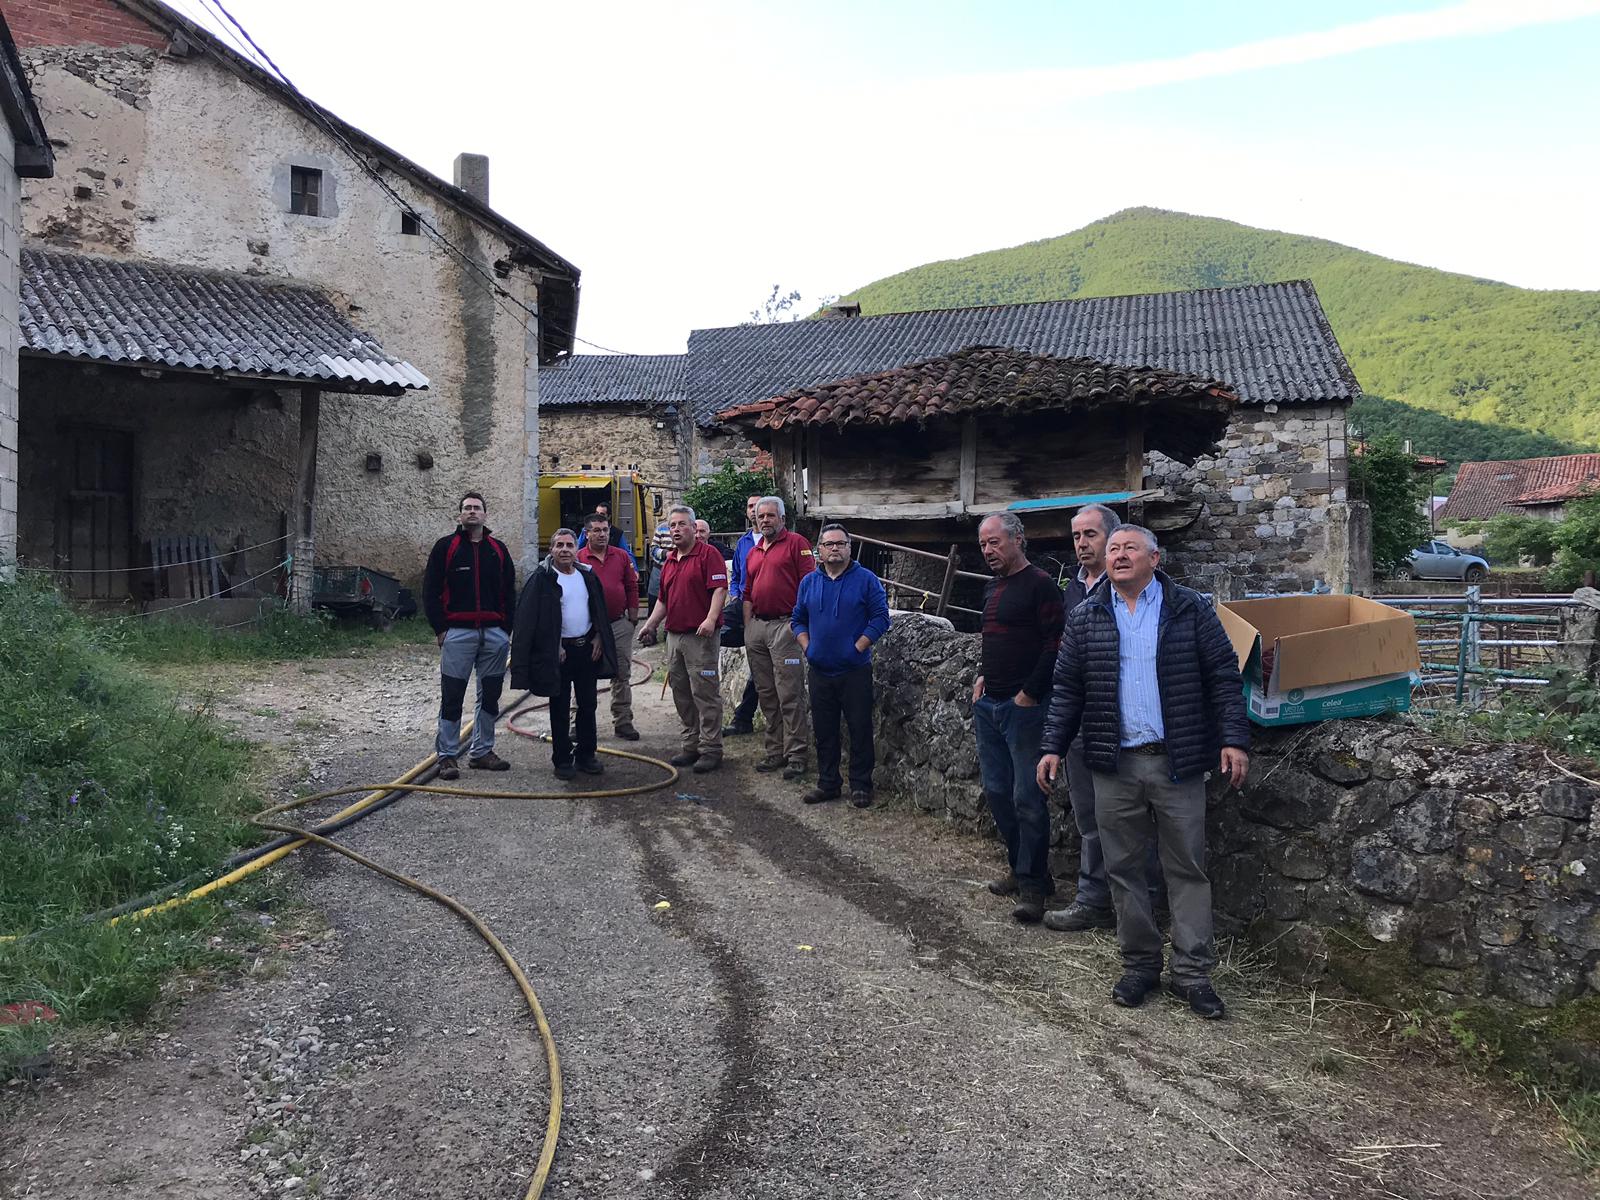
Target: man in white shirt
(561, 647)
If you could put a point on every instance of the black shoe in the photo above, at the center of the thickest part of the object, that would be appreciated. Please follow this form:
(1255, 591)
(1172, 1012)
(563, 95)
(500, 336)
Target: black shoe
(592, 767)
(1132, 988)
(819, 795)
(627, 733)
(1030, 908)
(737, 729)
(1006, 885)
(448, 768)
(861, 797)
(768, 765)
(794, 771)
(1075, 918)
(1201, 998)
(707, 763)
(566, 771)
(685, 758)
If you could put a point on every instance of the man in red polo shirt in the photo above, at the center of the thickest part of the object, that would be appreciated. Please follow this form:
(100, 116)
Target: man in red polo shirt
(694, 584)
(620, 582)
(772, 574)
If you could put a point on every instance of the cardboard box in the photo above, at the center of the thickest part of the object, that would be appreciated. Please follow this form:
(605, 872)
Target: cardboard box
(1311, 658)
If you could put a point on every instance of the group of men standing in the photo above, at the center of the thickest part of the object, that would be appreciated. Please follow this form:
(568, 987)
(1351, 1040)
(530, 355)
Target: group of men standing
(1124, 679)
(1129, 679)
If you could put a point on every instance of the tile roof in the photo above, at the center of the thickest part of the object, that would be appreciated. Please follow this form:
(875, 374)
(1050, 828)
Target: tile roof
(979, 378)
(108, 310)
(1488, 489)
(599, 379)
(1270, 343)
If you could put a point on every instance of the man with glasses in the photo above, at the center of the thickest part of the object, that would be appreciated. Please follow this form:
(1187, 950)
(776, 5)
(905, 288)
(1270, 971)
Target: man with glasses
(469, 593)
(839, 612)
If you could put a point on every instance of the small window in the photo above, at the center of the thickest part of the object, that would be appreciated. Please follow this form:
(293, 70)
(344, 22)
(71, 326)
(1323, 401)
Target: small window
(305, 191)
(410, 223)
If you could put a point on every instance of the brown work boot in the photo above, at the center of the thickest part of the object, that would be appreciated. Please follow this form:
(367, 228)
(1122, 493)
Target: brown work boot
(488, 762)
(627, 733)
(448, 768)
(707, 763)
(685, 758)
(1006, 885)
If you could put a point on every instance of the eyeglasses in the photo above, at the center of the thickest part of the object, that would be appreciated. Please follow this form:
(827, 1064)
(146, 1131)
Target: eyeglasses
(834, 545)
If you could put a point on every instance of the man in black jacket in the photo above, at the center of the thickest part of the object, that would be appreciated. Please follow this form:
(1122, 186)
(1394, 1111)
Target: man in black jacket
(468, 592)
(1148, 676)
(563, 646)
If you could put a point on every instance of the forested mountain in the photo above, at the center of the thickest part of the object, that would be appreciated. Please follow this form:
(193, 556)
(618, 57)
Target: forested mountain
(1496, 371)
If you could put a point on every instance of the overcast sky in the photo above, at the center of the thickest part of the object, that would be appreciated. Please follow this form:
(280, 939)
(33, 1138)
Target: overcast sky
(688, 155)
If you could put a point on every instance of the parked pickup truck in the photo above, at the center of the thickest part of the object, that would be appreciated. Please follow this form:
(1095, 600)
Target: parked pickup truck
(1439, 560)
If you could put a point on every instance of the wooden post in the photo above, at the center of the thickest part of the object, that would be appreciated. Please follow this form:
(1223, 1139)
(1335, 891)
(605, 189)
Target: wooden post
(1133, 469)
(951, 565)
(968, 494)
(306, 501)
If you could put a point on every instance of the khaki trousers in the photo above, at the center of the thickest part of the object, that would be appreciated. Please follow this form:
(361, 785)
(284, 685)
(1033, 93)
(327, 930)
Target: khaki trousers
(621, 686)
(692, 666)
(778, 666)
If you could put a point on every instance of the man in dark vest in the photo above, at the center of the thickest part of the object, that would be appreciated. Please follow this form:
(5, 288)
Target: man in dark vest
(1147, 677)
(563, 646)
(468, 592)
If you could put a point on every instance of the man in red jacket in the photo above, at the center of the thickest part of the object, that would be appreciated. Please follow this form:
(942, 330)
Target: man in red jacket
(469, 593)
(772, 574)
(620, 582)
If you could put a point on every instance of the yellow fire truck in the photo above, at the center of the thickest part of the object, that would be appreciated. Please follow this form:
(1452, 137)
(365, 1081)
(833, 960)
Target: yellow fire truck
(564, 500)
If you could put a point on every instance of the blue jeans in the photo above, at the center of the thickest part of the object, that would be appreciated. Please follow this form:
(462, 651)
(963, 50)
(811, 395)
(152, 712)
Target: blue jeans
(1008, 757)
(1093, 890)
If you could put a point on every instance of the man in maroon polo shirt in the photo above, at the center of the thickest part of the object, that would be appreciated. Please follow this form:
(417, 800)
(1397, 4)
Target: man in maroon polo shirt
(620, 582)
(777, 663)
(694, 584)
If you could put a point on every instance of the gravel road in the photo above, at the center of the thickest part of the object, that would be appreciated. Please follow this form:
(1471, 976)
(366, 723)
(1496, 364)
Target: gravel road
(831, 1005)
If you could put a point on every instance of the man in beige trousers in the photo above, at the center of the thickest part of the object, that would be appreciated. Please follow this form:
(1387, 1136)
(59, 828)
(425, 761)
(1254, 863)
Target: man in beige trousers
(772, 574)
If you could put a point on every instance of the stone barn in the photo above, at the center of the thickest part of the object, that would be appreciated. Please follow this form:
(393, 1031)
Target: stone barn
(250, 252)
(1267, 508)
(615, 413)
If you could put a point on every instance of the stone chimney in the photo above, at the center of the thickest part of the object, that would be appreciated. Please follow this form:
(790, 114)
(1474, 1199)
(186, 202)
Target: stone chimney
(472, 176)
(842, 311)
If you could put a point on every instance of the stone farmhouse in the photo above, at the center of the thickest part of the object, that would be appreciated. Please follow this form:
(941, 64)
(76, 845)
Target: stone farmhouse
(612, 413)
(24, 153)
(247, 322)
(1266, 507)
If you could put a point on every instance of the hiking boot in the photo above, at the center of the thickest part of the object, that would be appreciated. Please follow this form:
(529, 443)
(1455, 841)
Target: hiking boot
(488, 762)
(448, 768)
(627, 733)
(1132, 988)
(794, 771)
(1006, 885)
(819, 795)
(685, 758)
(738, 729)
(592, 767)
(1201, 998)
(861, 797)
(1030, 908)
(1076, 918)
(767, 765)
(566, 771)
(707, 764)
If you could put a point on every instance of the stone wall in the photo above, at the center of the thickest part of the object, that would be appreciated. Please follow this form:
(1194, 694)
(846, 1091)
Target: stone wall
(1465, 870)
(174, 159)
(645, 440)
(1274, 499)
(10, 197)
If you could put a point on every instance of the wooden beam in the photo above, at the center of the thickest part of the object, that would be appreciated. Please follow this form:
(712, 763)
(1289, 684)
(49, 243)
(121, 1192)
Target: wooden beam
(813, 470)
(967, 492)
(306, 500)
(1134, 464)
(885, 512)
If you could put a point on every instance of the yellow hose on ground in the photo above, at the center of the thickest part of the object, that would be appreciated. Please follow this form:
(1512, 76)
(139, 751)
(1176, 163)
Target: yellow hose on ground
(403, 783)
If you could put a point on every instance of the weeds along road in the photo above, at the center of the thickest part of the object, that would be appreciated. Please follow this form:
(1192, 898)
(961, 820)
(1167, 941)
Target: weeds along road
(831, 1006)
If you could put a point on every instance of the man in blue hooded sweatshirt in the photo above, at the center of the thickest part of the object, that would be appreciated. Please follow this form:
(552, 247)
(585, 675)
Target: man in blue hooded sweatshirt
(839, 613)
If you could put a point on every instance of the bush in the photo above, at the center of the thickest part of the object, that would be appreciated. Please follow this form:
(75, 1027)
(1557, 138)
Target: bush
(1384, 477)
(719, 498)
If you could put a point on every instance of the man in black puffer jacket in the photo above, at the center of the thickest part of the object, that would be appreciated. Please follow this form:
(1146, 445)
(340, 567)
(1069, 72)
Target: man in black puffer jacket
(1148, 676)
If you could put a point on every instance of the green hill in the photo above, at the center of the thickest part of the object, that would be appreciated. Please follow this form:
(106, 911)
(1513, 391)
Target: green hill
(1514, 373)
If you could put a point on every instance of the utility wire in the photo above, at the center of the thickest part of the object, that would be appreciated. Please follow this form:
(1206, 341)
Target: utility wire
(318, 114)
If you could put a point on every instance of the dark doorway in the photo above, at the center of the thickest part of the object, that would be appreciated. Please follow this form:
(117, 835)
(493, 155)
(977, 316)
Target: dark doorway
(94, 523)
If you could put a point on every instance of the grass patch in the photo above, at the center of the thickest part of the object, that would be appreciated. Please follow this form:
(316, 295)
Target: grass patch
(108, 789)
(279, 635)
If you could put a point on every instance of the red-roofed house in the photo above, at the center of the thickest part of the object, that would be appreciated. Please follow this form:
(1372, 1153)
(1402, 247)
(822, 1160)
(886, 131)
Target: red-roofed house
(1538, 487)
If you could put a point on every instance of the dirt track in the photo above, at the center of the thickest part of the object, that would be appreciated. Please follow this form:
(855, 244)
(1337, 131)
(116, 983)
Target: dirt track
(831, 1006)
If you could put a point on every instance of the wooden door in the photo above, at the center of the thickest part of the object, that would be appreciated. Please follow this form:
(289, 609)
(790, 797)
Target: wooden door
(94, 526)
